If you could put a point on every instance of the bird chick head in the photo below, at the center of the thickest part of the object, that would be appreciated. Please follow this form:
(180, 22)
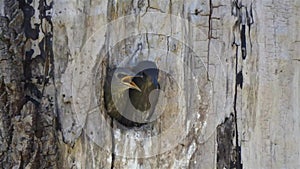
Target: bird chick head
(124, 80)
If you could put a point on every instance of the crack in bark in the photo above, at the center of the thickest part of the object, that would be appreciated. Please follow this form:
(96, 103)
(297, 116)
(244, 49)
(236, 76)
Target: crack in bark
(244, 18)
(112, 145)
(243, 42)
(210, 29)
(237, 163)
(209, 35)
(241, 20)
(150, 7)
(250, 21)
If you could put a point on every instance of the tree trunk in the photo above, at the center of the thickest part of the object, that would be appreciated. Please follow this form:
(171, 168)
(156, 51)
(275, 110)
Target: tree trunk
(229, 76)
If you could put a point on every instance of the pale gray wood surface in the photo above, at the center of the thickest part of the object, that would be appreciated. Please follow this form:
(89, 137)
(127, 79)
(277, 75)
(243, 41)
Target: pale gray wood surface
(51, 102)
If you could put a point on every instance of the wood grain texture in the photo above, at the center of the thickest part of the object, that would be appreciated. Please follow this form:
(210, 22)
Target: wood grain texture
(232, 90)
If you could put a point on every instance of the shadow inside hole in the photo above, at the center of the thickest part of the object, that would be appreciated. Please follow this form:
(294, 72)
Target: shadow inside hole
(147, 82)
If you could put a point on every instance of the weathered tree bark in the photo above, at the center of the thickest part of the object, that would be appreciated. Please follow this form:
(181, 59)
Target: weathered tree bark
(229, 97)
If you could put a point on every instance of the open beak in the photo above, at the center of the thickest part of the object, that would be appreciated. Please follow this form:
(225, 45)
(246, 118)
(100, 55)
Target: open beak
(127, 80)
(134, 86)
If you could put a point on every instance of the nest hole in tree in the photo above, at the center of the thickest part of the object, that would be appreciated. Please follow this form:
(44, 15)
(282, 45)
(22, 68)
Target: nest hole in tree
(146, 80)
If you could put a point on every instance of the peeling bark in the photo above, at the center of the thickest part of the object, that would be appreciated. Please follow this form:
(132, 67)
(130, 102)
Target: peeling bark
(27, 117)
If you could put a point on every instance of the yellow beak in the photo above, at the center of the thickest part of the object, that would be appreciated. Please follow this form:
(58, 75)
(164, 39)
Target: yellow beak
(127, 80)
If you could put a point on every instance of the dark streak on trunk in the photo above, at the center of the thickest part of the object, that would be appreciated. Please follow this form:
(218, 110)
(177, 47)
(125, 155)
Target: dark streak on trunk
(243, 42)
(237, 161)
(112, 145)
(229, 155)
(209, 35)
